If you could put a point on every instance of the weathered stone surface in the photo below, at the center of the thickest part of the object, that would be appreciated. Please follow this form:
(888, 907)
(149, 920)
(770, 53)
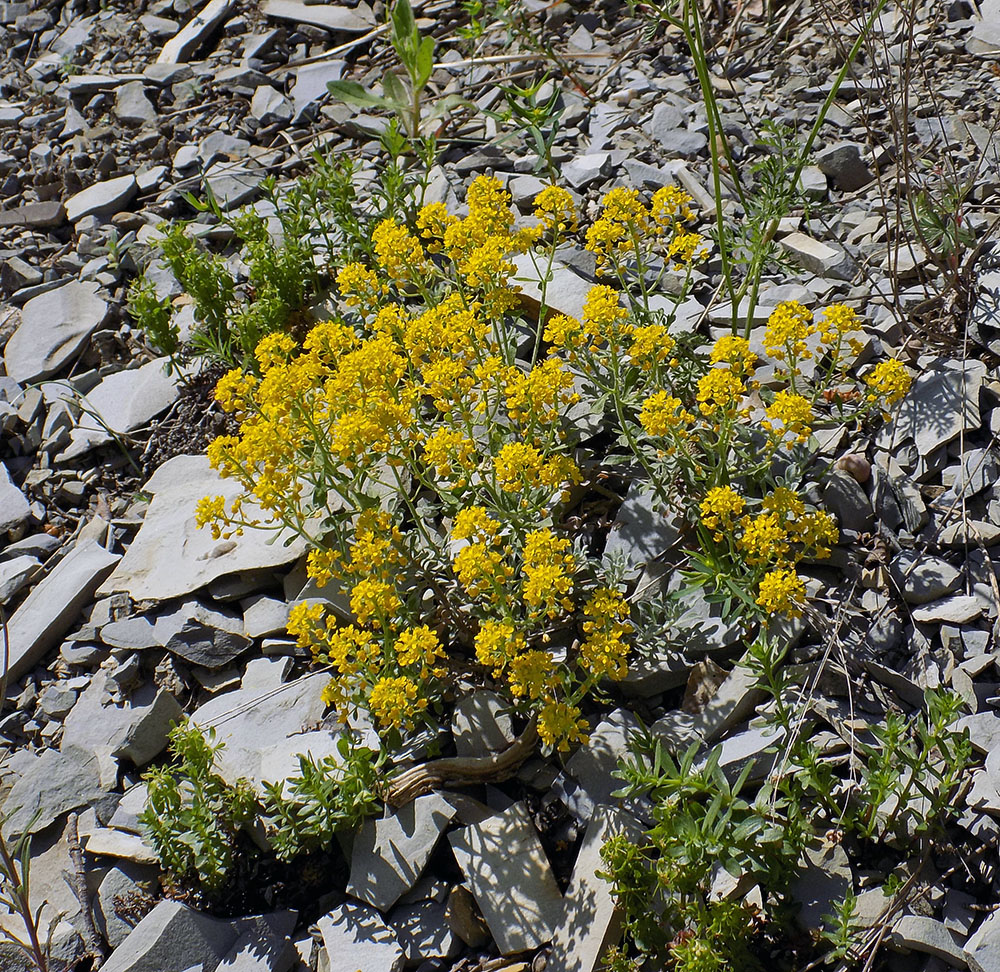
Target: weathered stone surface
(201, 634)
(957, 609)
(170, 556)
(592, 765)
(510, 879)
(941, 404)
(16, 572)
(982, 950)
(843, 163)
(14, 506)
(591, 922)
(54, 327)
(123, 401)
(132, 107)
(39, 215)
(269, 105)
(824, 879)
(50, 785)
(481, 724)
(356, 937)
(102, 198)
(922, 578)
(347, 20)
(173, 936)
(120, 881)
(195, 32)
(106, 842)
(423, 931)
(819, 258)
(47, 613)
(390, 853)
(252, 722)
(920, 934)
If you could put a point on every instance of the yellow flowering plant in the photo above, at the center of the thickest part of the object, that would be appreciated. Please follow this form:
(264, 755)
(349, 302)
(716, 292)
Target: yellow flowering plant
(431, 457)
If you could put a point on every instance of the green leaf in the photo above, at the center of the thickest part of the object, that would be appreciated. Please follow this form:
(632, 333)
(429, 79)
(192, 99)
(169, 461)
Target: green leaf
(404, 27)
(395, 91)
(355, 94)
(424, 62)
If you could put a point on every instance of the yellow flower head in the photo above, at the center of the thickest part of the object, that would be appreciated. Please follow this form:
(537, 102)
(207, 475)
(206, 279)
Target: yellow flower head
(782, 592)
(359, 287)
(274, 349)
(563, 332)
(394, 703)
(554, 207)
(661, 414)
(735, 352)
(650, 344)
(671, 205)
(497, 643)
(433, 221)
(793, 412)
(559, 724)
(888, 381)
(374, 598)
(787, 329)
(719, 389)
(720, 509)
(531, 673)
(418, 645)
(399, 253)
(473, 523)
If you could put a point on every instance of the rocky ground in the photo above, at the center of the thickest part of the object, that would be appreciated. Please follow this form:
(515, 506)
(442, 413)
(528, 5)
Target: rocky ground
(122, 615)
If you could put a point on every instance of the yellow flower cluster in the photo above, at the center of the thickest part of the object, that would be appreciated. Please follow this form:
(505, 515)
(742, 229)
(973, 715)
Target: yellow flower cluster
(627, 225)
(414, 411)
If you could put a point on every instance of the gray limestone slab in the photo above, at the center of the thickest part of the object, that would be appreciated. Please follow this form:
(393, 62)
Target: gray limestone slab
(195, 32)
(52, 607)
(356, 937)
(591, 922)
(390, 853)
(171, 556)
(510, 878)
(14, 506)
(54, 327)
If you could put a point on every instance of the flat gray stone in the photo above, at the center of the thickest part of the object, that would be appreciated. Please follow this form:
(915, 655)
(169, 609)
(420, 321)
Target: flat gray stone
(347, 20)
(195, 32)
(922, 578)
(480, 724)
(52, 607)
(310, 86)
(824, 879)
(423, 931)
(591, 921)
(120, 882)
(262, 944)
(15, 573)
(846, 498)
(102, 198)
(940, 405)
(390, 853)
(921, 934)
(55, 325)
(269, 105)
(52, 784)
(170, 556)
(356, 937)
(510, 878)
(982, 950)
(254, 721)
(843, 163)
(14, 506)
(984, 730)
(232, 185)
(956, 609)
(123, 402)
(592, 765)
(819, 258)
(202, 635)
(132, 107)
(641, 531)
(173, 936)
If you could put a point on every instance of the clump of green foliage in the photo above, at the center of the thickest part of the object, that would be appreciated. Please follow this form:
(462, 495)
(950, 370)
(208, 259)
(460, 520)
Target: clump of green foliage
(305, 812)
(192, 815)
(757, 827)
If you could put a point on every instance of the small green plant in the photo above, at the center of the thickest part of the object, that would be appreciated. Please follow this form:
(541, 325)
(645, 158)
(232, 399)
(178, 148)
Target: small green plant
(898, 789)
(534, 120)
(404, 97)
(15, 895)
(192, 815)
(305, 812)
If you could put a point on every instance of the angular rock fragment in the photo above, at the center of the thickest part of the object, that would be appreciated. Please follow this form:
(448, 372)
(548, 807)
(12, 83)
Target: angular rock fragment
(390, 853)
(510, 878)
(202, 635)
(14, 506)
(922, 578)
(920, 934)
(356, 937)
(591, 922)
(195, 32)
(171, 556)
(102, 198)
(54, 327)
(47, 613)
